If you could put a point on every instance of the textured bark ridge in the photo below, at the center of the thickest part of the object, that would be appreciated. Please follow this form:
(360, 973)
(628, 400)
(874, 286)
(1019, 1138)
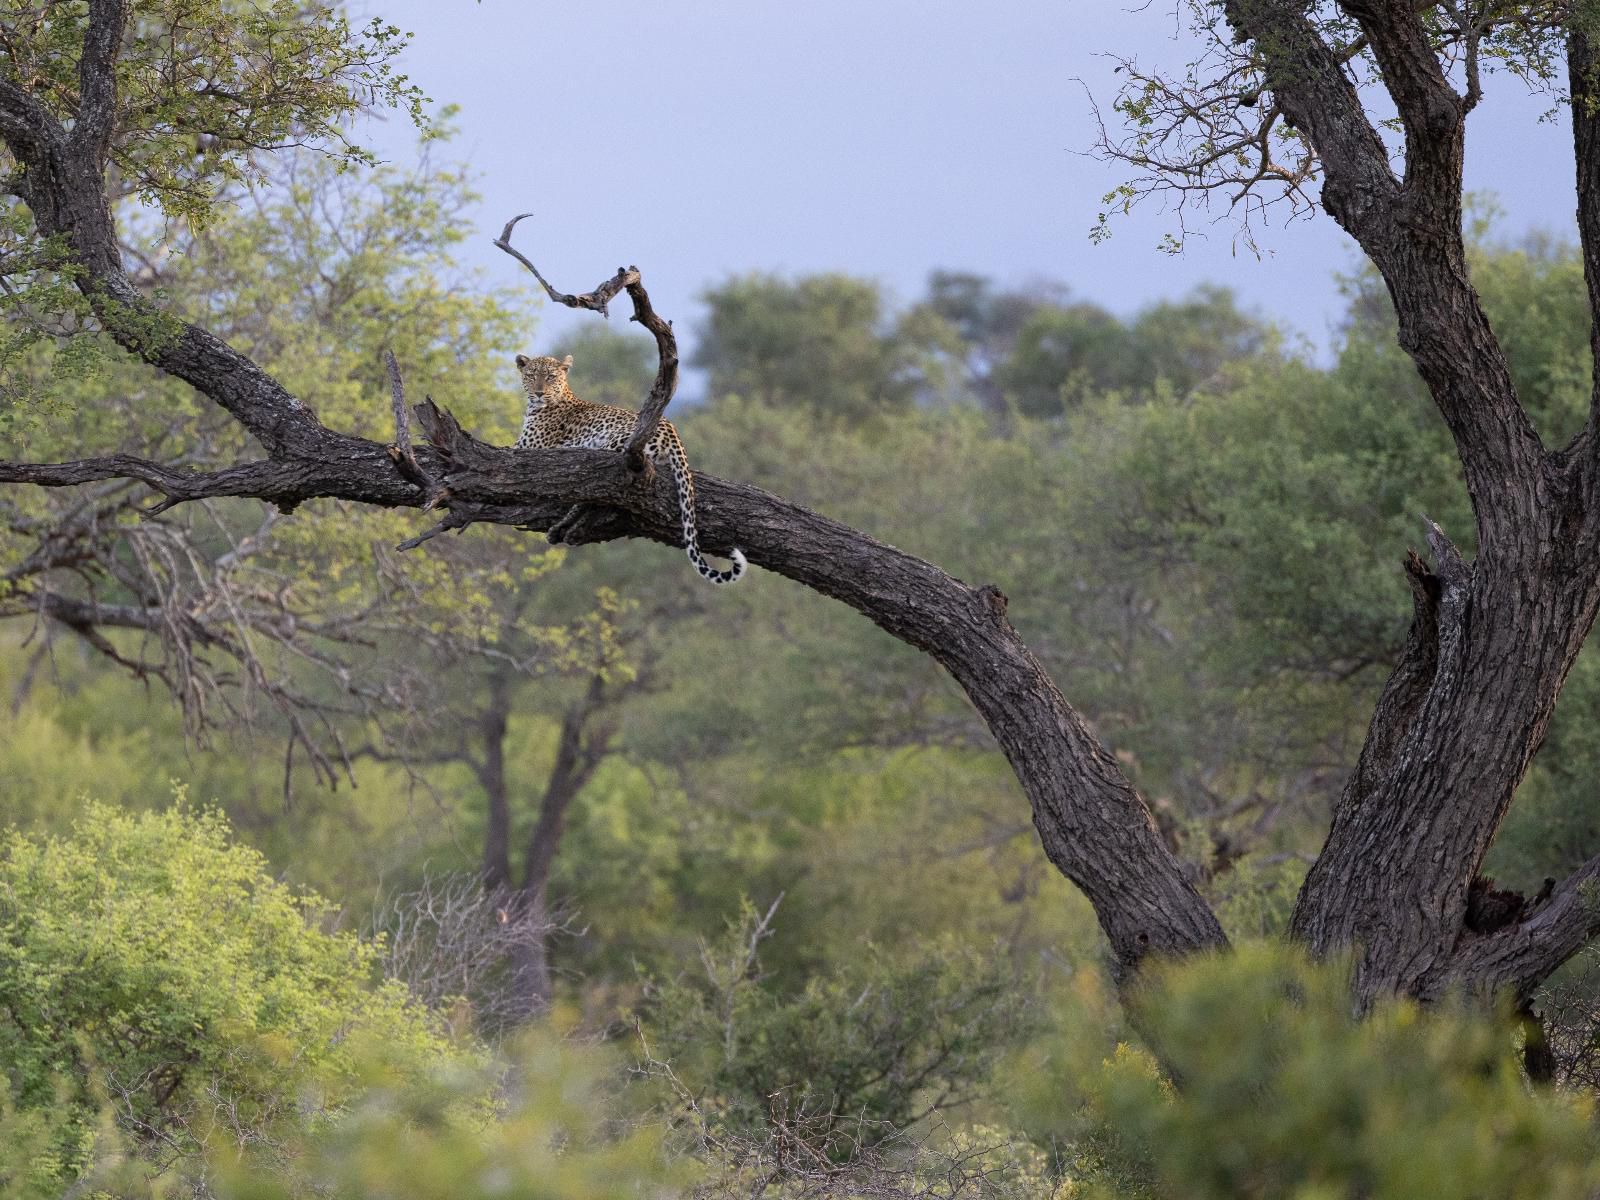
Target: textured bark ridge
(1455, 728)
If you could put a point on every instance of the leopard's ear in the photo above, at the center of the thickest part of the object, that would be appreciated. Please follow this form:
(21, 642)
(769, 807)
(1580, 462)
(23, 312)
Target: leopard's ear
(567, 362)
(522, 360)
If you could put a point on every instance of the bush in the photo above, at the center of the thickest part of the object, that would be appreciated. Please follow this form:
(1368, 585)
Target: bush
(150, 969)
(559, 1132)
(853, 1060)
(1283, 1092)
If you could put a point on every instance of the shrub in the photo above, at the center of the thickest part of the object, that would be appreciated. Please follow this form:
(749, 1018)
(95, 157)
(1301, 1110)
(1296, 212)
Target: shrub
(1282, 1091)
(854, 1059)
(152, 970)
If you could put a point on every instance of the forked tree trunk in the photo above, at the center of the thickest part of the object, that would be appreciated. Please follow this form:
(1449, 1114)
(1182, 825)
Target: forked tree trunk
(581, 745)
(1492, 641)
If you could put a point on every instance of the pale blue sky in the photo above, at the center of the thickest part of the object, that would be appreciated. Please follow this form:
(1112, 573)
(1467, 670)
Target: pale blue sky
(880, 137)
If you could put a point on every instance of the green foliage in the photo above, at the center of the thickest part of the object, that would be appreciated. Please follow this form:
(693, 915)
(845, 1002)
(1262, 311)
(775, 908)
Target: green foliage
(150, 965)
(1064, 352)
(1061, 354)
(855, 1057)
(204, 87)
(1302, 1098)
(83, 730)
(560, 1132)
(205, 90)
(815, 343)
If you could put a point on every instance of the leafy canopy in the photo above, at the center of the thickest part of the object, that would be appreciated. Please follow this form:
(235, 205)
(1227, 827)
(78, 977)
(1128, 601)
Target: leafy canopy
(204, 87)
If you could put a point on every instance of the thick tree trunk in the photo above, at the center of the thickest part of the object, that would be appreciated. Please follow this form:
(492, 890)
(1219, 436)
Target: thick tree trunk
(1492, 641)
(1451, 740)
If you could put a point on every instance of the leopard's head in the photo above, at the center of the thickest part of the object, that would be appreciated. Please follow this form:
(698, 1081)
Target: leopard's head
(544, 378)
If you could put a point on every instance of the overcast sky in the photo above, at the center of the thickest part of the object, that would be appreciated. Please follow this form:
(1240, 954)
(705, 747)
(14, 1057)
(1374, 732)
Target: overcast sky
(879, 137)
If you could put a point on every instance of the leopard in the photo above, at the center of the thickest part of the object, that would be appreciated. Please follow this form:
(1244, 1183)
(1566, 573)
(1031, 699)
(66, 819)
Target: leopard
(556, 418)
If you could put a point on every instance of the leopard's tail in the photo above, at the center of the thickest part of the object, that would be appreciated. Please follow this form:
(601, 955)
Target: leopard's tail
(684, 479)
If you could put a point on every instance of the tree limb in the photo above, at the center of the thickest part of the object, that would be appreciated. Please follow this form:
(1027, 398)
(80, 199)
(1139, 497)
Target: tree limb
(276, 481)
(1523, 955)
(1430, 109)
(1307, 78)
(97, 81)
(1093, 823)
(666, 382)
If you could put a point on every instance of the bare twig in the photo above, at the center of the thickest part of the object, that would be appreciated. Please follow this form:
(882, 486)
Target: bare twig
(401, 452)
(596, 301)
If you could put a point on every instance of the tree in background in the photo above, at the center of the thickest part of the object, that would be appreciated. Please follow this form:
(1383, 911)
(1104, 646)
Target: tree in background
(816, 343)
(1066, 351)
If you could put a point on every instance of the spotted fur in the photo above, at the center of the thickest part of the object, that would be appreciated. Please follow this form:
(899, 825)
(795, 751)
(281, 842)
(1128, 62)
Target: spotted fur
(556, 418)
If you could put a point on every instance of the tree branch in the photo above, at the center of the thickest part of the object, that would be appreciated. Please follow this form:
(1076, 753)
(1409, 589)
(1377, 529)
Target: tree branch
(1431, 112)
(282, 482)
(1523, 955)
(577, 759)
(97, 81)
(1308, 82)
(666, 383)
(1093, 823)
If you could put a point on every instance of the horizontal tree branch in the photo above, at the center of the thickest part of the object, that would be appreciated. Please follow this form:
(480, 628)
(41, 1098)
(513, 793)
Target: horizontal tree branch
(283, 482)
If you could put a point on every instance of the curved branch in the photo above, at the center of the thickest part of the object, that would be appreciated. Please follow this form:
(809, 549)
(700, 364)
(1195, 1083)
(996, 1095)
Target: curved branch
(596, 301)
(1094, 825)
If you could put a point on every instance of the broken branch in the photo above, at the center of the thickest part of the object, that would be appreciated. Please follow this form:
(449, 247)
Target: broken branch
(666, 383)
